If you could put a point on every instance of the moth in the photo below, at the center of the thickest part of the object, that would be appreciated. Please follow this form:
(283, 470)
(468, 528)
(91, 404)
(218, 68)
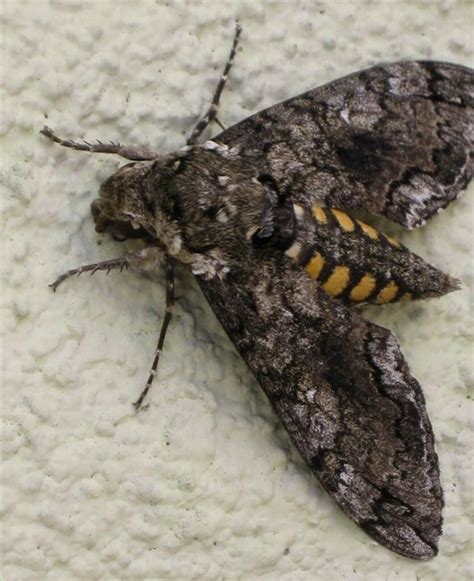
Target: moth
(261, 214)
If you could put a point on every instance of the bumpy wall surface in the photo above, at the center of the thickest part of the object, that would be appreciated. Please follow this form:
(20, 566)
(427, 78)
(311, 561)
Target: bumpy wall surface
(204, 484)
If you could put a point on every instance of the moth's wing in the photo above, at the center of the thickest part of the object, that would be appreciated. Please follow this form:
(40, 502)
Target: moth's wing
(345, 395)
(394, 139)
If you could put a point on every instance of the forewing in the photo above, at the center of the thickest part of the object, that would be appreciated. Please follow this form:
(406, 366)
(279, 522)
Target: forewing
(346, 396)
(395, 140)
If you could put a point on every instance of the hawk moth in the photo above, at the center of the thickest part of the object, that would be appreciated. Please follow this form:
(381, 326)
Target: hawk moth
(260, 215)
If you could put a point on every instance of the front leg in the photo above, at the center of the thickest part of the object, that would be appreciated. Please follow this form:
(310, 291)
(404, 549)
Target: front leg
(143, 260)
(132, 152)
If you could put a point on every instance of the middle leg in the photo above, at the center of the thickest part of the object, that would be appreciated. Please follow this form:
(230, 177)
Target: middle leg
(163, 330)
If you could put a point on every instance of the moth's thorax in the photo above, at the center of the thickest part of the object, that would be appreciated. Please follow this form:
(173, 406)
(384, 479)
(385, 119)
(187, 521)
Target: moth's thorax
(211, 209)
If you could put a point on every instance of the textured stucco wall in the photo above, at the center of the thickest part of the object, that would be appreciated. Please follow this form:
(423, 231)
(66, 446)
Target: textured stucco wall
(204, 484)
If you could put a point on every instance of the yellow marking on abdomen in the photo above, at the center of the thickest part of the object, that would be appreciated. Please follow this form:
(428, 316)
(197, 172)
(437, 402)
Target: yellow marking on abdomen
(387, 294)
(366, 229)
(363, 289)
(406, 297)
(320, 215)
(338, 281)
(315, 265)
(345, 222)
(392, 241)
(299, 211)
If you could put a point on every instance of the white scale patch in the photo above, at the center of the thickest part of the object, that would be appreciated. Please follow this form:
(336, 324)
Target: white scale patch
(222, 217)
(210, 265)
(345, 115)
(223, 180)
(294, 250)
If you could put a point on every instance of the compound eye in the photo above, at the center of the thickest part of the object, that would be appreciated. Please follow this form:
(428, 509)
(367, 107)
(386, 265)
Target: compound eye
(121, 231)
(101, 222)
(96, 209)
(119, 234)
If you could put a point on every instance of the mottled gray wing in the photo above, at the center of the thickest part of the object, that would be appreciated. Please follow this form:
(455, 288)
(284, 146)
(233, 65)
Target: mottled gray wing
(346, 396)
(395, 140)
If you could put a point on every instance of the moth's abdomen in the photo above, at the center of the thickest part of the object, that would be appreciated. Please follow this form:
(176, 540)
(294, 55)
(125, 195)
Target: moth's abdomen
(359, 264)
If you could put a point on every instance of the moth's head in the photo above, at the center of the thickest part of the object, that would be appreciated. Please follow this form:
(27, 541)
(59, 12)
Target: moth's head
(124, 208)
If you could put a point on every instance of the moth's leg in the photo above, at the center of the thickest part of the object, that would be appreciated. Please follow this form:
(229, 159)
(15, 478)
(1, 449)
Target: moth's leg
(132, 152)
(163, 330)
(142, 260)
(212, 111)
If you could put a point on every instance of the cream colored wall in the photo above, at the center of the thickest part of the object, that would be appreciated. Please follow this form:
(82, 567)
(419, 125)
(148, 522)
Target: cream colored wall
(204, 484)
